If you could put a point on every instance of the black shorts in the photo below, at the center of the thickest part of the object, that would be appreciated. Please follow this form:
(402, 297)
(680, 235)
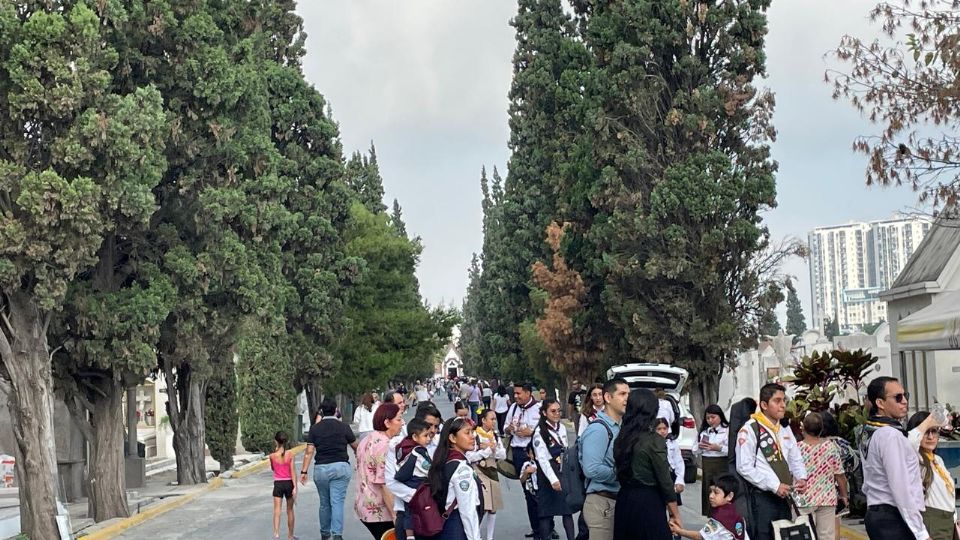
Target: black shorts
(283, 489)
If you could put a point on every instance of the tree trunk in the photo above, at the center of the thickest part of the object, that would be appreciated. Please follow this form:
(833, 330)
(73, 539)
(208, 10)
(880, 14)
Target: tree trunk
(106, 487)
(188, 429)
(314, 396)
(24, 352)
(703, 390)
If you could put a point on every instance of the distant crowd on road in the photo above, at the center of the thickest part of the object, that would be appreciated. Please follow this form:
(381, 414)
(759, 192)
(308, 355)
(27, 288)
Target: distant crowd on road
(619, 472)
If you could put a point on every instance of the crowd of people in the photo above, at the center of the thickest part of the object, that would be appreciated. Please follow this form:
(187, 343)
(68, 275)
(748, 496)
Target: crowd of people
(755, 471)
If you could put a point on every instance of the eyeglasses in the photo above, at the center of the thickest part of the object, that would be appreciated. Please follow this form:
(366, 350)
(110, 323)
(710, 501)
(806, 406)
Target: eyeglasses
(900, 398)
(932, 432)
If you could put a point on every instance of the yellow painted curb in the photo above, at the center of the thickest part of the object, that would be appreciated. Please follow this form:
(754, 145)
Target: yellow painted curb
(153, 511)
(247, 471)
(165, 506)
(846, 533)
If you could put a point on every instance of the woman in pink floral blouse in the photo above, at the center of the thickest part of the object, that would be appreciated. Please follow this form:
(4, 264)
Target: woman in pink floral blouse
(374, 502)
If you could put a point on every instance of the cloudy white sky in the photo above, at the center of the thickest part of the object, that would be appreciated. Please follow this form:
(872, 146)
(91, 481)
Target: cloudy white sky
(427, 82)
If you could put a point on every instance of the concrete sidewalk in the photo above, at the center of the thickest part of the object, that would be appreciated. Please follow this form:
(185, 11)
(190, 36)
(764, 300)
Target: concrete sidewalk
(159, 493)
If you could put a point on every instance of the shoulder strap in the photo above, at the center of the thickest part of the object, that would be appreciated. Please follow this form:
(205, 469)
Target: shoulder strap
(609, 435)
(756, 434)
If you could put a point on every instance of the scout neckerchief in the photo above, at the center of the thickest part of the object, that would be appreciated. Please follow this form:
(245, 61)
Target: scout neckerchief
(554, 433)
(935, 465)
(523, 408)
(484, 466)
(769, 446)
(871, 426)
(731, 520)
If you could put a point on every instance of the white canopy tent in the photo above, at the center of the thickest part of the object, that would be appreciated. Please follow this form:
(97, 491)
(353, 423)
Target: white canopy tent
(933, 328)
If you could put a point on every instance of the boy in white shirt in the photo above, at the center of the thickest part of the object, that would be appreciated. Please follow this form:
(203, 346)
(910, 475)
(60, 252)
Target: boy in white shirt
(725, 523)
(768, 458)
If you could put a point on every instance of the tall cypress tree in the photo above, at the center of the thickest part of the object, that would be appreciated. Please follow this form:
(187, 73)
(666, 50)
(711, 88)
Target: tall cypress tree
(544, 96)
(487, 302)
(680, 136)
(470, 329)
(796, 323)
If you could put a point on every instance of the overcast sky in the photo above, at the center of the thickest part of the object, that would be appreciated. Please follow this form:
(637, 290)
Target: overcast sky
(427, 82)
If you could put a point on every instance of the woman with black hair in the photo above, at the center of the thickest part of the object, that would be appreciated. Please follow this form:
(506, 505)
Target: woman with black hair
(646, 490)
(712, 448)
(740, 413)
(451, 479)
(549, 443)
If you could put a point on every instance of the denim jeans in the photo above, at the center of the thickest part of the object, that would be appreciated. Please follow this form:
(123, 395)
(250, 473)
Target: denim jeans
(332, 480)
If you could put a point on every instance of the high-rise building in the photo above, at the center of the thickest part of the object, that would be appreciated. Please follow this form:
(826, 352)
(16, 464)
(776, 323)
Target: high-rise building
(851, 264)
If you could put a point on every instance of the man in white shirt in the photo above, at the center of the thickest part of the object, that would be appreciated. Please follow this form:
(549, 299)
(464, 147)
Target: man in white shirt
(891, 471)
(770, 461)
(522, 418)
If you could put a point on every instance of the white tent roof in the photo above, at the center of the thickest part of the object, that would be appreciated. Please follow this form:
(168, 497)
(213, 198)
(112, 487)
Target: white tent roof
(933, 328)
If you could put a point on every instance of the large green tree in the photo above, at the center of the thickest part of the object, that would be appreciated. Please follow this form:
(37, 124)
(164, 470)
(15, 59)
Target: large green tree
(545, 106)
(316, 268)
(680, 136)
(79, 157)
(216, 234)
(392, 334)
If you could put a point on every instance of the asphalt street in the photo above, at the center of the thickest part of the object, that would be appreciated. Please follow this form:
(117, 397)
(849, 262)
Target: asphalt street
(243, 510)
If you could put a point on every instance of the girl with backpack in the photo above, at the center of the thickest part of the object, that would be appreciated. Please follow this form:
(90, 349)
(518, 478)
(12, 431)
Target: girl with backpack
(453, 484)
(283, 485)
(549, 445)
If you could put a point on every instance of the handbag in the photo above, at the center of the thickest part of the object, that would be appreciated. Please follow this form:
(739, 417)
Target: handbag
(507, 467)
(800, 528)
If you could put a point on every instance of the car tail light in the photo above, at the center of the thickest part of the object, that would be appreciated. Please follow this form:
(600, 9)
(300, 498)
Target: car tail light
(688, 422)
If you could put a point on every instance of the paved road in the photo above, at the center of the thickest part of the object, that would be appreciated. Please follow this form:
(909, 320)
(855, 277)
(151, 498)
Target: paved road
(243, 510)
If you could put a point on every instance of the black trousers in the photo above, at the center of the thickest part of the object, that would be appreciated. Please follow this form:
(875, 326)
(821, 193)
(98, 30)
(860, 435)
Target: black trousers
(766, 508)
(884, 522)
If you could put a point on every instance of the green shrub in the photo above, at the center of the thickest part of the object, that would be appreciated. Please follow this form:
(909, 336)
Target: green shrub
(266, 397)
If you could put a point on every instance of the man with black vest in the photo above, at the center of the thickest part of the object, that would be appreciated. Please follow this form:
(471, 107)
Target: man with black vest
(769, 460)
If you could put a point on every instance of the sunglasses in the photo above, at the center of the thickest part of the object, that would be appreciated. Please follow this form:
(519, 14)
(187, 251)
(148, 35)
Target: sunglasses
(900, 398)
(932, 432)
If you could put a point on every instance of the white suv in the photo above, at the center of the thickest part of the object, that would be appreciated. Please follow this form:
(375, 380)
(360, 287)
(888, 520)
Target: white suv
(671, 379)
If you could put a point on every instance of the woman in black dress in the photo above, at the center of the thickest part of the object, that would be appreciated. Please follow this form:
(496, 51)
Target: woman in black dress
(549, 443)
(646, 490)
